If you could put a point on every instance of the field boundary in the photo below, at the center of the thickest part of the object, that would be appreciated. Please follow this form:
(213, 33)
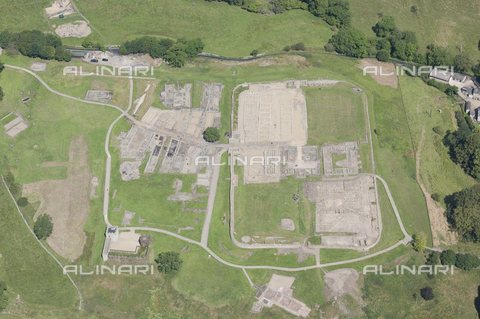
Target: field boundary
(80, 298)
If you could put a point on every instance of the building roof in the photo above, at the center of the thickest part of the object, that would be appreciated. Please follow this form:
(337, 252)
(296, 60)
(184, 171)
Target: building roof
(441, 74)
(459, 77)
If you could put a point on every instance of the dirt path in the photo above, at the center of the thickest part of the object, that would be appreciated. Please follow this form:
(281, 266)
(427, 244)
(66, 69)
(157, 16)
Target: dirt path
(438, 222)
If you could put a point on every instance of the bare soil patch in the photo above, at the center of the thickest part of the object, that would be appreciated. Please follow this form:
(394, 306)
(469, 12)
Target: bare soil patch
(341, 286)
(67, 202)
(386, 72)
(76, 29)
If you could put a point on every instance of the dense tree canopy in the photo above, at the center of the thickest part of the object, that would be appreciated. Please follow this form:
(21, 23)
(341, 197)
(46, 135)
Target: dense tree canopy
(447, 257)
(462, 63)
(464, 145)
(436, 55)
(175, 53)
(35, 44)
(467, 261)
(384, 27)
(350, 42)
(463, 212)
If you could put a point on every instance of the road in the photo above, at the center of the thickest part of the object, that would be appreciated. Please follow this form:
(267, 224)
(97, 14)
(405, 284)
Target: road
(211, 199)
(108, 162)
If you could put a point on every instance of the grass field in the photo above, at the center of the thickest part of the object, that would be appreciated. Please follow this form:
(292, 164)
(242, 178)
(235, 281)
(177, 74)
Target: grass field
(454, 295)
(260, 208)
(226, 30)
(428, 108)
(335, 114)
(147, 197)
(53, 121)
(393, 149)
(26, 268)
(443, 22)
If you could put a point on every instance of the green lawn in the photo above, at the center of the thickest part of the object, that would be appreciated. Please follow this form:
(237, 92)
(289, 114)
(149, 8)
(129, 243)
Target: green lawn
(260, 208)
(335, 114)
(226, 30)
(457, 29)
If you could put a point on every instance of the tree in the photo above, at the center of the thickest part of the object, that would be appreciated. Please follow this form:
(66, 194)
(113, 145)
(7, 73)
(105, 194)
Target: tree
(176, 57)
(211, 134)
(2, 66)
(436, 56)
(383, 55)
(22, 201)
(169, 262)
(384, 27)
(462, 63)
(463, 212)
(337, 13)
(427, 293)
(451, 90)
(350, 42)
(419, 241)
(414, 9)
(433, 258)
(466, 261)
(254, 52)
(447, 257)
(476, 69)
(91, 44)
(43, 226)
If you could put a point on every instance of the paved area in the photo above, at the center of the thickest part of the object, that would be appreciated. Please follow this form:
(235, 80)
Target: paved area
(347, 212)
(272, 113)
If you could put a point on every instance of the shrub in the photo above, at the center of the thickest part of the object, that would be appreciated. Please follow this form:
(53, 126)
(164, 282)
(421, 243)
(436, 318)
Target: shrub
(439, 130)
(254, 53)
(448, 257)
(22, 201)
(287, 48)
(433, 258)
(43, 226)
(3, 297)
(437, 197)
(299, 46)
(427, 293)
(419, 241)
(211, 134)
(169, 262)
(466, 261)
